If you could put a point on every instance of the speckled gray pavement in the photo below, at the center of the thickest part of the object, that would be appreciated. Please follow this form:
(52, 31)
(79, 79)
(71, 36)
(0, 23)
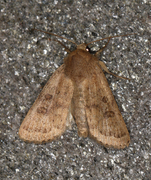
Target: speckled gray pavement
(27, 61)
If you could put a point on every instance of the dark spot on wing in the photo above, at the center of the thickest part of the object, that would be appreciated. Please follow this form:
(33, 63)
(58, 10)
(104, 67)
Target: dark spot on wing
(119, 135)
(57, 92)
(44, 130)
(25, 127)
(48, 96)
(41, 110)
(105, 99)
(109, 114)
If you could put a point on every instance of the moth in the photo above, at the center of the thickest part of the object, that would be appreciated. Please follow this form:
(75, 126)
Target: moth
(77, 89)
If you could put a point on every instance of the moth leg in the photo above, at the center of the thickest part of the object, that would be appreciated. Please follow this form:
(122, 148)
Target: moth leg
(103, 66)
(99, 51)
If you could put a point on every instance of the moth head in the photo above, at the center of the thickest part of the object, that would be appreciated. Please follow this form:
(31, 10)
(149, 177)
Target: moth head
(82, 46)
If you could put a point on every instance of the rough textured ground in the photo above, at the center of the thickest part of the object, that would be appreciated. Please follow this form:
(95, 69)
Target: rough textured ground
(28, 59)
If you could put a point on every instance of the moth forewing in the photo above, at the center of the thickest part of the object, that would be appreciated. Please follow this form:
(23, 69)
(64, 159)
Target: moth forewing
(108, 126)
(78, 87)
(46, 119)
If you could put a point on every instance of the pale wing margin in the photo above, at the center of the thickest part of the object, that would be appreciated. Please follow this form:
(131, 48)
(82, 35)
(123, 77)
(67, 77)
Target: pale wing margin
(105, 121)
(46, 119)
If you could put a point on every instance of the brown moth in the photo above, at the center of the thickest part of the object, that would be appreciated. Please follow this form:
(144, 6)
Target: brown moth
(78, 88)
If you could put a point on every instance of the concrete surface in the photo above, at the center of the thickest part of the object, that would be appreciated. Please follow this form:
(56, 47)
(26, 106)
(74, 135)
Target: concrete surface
(28, 59)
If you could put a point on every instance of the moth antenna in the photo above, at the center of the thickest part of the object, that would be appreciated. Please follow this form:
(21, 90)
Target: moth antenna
(110, 38)
(56, 36)
(61, 45)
